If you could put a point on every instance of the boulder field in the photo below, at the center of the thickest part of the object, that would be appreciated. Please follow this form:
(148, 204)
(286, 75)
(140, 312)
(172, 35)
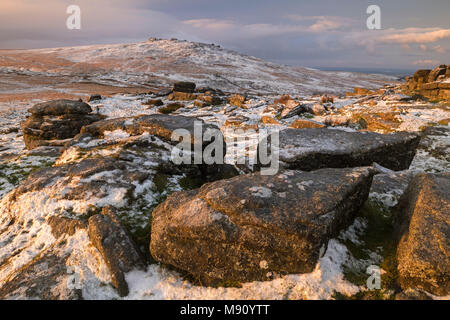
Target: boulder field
(114, 202)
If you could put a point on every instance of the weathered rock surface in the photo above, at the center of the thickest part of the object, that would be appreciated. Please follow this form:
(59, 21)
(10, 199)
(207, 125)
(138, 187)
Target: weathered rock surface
(183, 86)
(253, 227)
(116, 247)
(122, 164)
(430, 83)
(56, 120)
(60, 108)
(310, 149)
(304, 124)
(422, 223)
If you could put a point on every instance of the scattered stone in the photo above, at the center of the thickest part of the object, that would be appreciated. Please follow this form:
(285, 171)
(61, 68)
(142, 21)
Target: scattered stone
(423, 229)
(161, 93)
(211, 100)
(284, 99)
(241, 122)
(253, 227)
(9, 130)
(95, 97)
(304, 124)
(183, 86)
(267, 120)
(201, 104)
(360, 92)
(154, 102)
(171, 107)
(292, 108)
(326, 99)
(182, 96)
(337, 121)
(316, 109)
(237, 100)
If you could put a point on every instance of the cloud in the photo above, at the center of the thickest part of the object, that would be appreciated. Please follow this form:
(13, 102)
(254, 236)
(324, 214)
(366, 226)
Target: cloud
(323, 23)
(439, 49)
(415, 35)
(427, 62)
(211, 24)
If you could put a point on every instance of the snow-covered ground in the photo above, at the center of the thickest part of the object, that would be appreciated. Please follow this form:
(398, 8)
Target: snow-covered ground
(158, 64)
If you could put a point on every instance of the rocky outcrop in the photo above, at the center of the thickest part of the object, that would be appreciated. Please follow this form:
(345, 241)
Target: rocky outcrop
(422, 224)
(56, 120)
(254, 227)
(431, 84)
(310, 149)
(154, 102)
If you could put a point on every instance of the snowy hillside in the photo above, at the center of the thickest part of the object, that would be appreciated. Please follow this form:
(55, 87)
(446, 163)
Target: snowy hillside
(158, 63)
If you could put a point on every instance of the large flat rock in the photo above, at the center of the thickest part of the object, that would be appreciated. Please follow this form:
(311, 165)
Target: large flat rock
(315, 148)
(253, 227)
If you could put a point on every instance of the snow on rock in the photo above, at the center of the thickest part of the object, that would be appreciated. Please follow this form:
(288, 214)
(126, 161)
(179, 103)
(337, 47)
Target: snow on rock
(322, 283)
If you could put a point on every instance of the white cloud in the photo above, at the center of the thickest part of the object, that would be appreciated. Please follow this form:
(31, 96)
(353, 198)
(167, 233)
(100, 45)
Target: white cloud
(426, 62)
(415, 35)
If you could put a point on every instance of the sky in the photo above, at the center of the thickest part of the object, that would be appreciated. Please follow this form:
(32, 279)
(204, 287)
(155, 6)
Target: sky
(319, 33)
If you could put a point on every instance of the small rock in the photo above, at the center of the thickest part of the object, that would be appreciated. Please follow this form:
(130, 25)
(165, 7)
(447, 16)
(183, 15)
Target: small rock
(183, 86)
(304, 124)
(171, 107)
(237, 100)
(95, 97)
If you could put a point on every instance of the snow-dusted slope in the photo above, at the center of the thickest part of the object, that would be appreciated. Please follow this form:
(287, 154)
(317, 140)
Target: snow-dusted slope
(160, 62)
